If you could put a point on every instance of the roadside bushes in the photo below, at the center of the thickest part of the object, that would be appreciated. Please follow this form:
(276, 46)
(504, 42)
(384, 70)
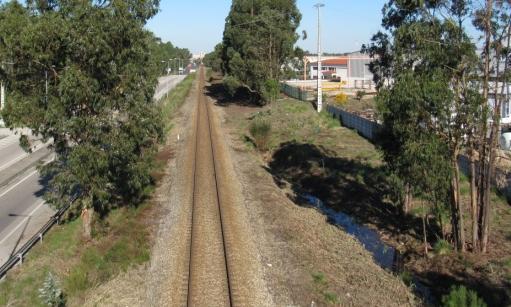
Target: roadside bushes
(260, 130)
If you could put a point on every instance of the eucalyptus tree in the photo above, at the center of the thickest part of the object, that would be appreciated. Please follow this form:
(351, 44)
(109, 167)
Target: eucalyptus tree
(493, 19)
(259, 38)
(97, 107)
(425, 69)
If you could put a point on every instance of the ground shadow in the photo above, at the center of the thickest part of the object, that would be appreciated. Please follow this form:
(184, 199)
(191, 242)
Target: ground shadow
(350, 186)
(242, 97)
(441, 284)
(359, 190)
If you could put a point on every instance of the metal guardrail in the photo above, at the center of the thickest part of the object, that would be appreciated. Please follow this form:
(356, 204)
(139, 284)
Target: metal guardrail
(18, 256)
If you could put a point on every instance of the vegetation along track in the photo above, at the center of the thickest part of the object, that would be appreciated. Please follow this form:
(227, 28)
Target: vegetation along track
(208, 281)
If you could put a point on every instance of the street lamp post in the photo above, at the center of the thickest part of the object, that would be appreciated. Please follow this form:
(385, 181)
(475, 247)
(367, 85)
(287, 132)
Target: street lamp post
(320, 75)
(2, 86)
(2, 94)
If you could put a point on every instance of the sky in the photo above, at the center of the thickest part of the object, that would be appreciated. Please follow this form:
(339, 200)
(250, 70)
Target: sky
(198, 24)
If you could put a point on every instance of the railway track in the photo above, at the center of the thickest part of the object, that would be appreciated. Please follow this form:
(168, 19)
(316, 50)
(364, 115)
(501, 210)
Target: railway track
(208, 280)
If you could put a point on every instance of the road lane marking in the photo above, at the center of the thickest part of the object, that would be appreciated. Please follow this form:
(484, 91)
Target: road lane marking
(22, 221)
(18, 158)
(22, 156)
(18, 183)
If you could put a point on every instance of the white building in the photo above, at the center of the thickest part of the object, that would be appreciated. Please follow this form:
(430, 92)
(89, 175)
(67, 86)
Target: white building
(352, 69)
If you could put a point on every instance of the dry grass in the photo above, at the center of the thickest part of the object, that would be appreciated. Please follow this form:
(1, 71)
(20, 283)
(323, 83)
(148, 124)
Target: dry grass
(307, 258)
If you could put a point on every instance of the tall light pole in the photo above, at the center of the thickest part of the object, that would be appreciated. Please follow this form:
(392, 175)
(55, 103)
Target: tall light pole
(320, 74)
(2, 94)
(2, 86)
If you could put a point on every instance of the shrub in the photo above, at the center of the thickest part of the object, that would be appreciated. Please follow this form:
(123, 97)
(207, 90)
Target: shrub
(260, 130)
(461, 297)
(231, 85)
(442, 247)
(50, 293)
(271, 90)
(360, 94)
(341, 99)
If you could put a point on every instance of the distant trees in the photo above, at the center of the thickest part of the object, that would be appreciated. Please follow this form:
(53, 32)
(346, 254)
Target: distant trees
(95, 58)
(259, 38)
(214, 58)
(165, 55)
(433, 100)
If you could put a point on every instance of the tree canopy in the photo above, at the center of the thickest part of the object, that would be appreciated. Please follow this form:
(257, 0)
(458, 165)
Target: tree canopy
(424, 66)
(80, 73)
(259, 38)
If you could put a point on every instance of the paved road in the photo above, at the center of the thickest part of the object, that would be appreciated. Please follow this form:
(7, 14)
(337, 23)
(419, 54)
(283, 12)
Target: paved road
(166, 84)
(22, 209)
(10, 151)
(22, 212)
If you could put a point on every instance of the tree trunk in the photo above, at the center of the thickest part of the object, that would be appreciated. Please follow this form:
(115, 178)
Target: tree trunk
(485, 158)
(473, 202)
(408, 199)
(424, 233)
(456, 208)
(87, 217)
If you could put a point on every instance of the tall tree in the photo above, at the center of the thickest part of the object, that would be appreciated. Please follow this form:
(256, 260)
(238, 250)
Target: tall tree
(97, 107)
(426, 55)
(259, 38)
(494, 21)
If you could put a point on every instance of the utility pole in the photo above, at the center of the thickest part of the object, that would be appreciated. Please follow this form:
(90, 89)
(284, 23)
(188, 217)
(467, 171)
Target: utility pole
(305, 68)
(2, 95)
(320, 75)
(46, 86)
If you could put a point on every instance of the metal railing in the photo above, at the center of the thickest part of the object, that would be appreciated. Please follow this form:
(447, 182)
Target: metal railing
(17, 257)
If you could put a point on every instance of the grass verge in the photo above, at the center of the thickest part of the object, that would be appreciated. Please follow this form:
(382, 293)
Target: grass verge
(123, 241)
(175, 99)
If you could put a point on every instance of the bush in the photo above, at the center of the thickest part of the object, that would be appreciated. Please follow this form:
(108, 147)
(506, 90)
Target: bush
(231, 85)
(341, 99)
(271, 90)
(442, 247)
(360, 94)
(260, 130)
(461, 297)
(50, 293)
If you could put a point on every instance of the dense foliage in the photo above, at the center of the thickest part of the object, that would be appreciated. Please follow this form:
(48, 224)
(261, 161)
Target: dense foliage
(214, 58)
(434, 103)
(97, 106)
(166, 55)
(259, 38)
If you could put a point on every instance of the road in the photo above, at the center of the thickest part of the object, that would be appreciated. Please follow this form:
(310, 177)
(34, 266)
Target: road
(166, 84)
(22, 209)
(10, 151)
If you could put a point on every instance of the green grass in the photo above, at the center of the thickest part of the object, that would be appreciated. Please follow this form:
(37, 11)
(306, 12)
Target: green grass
(175, 99)
(320, 284)
(80, 266)
(294, 120)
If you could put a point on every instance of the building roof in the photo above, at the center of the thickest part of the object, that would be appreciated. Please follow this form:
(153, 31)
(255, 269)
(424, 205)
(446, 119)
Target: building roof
(333, 62)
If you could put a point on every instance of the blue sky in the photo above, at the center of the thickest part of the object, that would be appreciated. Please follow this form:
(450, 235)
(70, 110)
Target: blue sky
(198, 24)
